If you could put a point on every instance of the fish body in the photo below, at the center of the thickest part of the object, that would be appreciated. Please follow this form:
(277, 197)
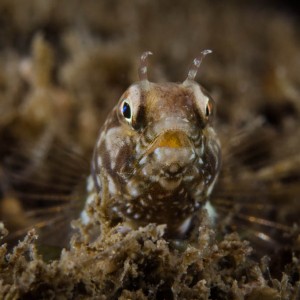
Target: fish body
(156, 160)
(157, 156)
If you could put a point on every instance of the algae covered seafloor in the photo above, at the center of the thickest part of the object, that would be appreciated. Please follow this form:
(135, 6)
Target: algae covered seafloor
(64, 65)
(142, 265)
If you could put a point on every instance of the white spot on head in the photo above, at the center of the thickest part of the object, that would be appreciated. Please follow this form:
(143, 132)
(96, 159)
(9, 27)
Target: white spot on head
(98, 181)
(185, 226)
(143, 202)
(111, 185)
(115, 209)
(160, 153)
(188, 178)
(201, 148)
(199, 189)
(143, 160)
(85, 219)
(136, 216)
(90, 184)
(91, 198)
(192, 156)
(114, 141)
(133, 188)
(212, 214)
(99, 161)
(147, 170)
(100, 139)
(154, 178)
(210, 188)
(197, 205)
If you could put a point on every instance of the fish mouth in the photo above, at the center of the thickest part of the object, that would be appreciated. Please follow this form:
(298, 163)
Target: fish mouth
(168, 158)
(171, 140)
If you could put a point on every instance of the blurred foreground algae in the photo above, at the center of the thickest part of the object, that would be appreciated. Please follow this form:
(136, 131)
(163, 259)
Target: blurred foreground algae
(141, 265)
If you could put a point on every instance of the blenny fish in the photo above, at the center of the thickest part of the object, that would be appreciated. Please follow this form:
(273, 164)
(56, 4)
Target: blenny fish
(157, 156)
(157, 159)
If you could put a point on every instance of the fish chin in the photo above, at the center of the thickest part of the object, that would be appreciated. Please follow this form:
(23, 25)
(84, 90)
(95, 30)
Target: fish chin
(170, 184)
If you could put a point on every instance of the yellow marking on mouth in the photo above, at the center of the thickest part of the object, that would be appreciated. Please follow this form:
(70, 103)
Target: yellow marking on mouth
(170, 139)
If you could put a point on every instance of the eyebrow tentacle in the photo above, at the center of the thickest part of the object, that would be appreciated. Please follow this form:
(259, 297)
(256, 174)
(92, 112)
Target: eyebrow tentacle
(196, 64)
(143, 75)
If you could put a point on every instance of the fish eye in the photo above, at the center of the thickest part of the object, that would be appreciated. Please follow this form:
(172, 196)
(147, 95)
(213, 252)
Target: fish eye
(126, 110)
(209, 109)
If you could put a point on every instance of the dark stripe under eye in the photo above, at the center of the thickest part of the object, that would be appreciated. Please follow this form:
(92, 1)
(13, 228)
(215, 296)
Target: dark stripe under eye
(141, 117)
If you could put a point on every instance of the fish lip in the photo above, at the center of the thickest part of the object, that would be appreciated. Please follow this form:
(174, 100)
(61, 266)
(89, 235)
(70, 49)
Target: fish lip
(180, 130)
(169, 183)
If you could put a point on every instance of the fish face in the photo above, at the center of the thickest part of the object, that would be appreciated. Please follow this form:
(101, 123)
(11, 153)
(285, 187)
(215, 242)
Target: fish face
(157, 155)
(159, 152)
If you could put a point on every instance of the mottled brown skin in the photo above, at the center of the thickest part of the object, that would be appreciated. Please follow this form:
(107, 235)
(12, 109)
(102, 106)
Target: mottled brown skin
(160, 164)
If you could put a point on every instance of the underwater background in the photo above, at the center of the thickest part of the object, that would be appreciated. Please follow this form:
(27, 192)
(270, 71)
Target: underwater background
(65, 64)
